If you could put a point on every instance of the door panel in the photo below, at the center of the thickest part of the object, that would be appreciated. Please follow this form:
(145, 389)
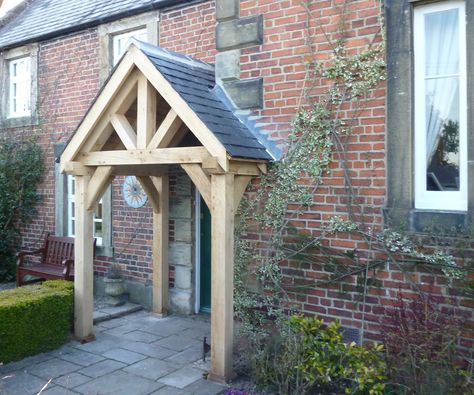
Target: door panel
(205, 297)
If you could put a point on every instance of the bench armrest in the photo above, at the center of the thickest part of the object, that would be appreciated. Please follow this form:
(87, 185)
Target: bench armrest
(20, 255)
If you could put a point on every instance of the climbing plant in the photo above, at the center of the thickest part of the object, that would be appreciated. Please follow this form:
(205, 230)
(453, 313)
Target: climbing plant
(318, 144)
(21, 170)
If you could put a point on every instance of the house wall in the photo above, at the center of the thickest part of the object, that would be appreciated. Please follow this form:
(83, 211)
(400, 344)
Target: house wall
(69, 79)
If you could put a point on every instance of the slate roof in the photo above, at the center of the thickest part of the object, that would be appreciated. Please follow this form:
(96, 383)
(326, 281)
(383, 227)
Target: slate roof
(42, 19)
(195, 83)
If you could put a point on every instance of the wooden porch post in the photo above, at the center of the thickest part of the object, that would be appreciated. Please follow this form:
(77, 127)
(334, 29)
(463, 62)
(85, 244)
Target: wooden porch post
(160, 246)
(83, 262)
(222, 276)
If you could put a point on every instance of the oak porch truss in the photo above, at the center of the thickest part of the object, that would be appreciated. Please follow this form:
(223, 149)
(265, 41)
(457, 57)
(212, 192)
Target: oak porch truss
(159, 109)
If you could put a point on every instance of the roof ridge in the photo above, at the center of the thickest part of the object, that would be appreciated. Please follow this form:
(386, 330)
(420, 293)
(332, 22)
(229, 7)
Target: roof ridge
(154, 50)
(14, 12)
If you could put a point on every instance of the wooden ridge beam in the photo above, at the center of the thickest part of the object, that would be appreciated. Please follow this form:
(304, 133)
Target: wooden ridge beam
(159, 156)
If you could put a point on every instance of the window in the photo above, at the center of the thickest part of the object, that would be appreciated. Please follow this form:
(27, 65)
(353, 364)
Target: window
(18, 78)
(430, 127)
(440, 106)
(121, 42)
(115, 36)
(97, 220)
(20, 87)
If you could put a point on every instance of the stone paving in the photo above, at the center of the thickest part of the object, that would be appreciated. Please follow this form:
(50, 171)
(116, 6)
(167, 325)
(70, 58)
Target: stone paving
(132, 355)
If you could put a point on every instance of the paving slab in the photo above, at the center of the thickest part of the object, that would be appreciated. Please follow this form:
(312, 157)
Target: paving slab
(167, 390)
(125, 356)
(102, 368)
(176, 342)
(205, 387)
(188, 356)
(72, 380)
(151, 368)
(182, 378)
(82, 358)
(57, 390)
(150, 350)
(141, 336)
(197, 333)
(52, 368)
(103, 343)
(20, 382)
(135, 354)
(119, 383)
(122, 329)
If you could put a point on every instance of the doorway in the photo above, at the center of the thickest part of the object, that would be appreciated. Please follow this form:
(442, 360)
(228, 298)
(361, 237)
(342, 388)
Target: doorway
(203, 256)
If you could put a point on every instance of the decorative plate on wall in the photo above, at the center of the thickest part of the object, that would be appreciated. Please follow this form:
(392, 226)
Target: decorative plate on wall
(133, 192)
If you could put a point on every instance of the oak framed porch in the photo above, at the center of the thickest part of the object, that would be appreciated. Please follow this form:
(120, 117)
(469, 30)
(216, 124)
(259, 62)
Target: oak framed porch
(139, 125)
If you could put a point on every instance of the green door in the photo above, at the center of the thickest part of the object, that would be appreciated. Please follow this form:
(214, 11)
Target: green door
(205, 297)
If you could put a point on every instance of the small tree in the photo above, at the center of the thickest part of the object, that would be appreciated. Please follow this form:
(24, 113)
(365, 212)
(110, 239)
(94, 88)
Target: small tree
(21, 170)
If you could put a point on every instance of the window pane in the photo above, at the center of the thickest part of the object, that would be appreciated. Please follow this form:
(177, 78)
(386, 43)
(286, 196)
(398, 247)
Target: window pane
(98, 229)
(442, 43)
(442, 134)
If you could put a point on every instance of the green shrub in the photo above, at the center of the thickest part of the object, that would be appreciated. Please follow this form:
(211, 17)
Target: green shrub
(35, 318)
(308, 357)
(21, 170)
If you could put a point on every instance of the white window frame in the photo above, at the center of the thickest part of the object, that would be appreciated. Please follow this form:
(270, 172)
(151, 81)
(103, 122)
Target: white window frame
(438, 200)
(19, 90)
(120, 42)
(71, 214)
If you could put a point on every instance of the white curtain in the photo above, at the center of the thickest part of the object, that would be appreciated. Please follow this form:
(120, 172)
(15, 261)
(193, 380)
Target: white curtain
(441, 74)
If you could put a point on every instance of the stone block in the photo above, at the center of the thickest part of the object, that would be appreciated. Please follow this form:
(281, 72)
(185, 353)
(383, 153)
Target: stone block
(181, 301)
(246, 93)
(183, 231)
(183, 184)
(228, 65)
(180, 207)
(180, 254)
(227, 9)
(239, 33)
(182, 278)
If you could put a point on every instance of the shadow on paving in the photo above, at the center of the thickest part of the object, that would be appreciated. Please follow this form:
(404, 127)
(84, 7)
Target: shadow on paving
(133, 355)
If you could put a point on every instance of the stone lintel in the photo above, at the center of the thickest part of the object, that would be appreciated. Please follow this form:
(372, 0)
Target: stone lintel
(246, 93)
(227, 9)
(239, 33)
(228, 65)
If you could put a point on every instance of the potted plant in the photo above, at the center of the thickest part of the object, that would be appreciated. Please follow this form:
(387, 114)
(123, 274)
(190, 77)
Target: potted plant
(114, 287)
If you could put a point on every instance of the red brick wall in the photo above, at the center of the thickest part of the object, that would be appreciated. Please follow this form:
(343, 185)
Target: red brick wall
(68, 80)
(190, 30)
(280, 61)
(68, 75)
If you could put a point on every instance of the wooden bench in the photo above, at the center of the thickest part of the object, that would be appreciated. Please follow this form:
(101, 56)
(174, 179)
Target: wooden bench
(56, 260)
